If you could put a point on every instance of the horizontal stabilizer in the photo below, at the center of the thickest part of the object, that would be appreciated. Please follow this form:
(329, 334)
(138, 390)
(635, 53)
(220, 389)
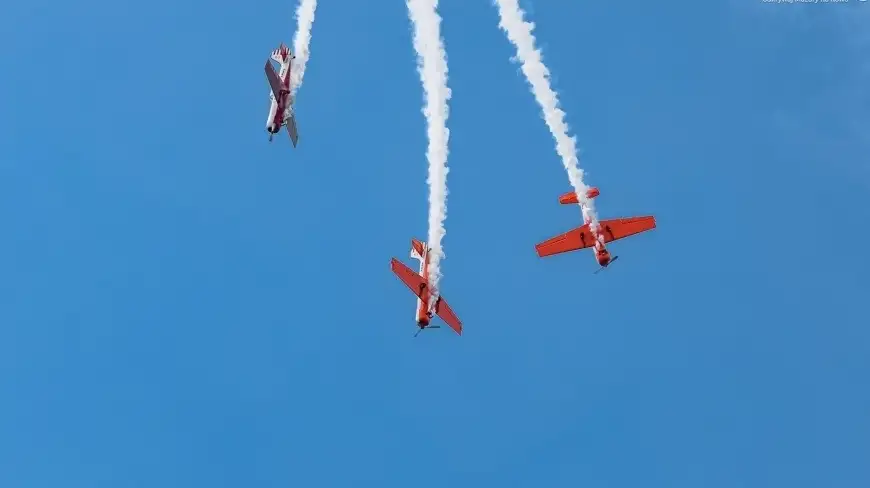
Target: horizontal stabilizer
(282, 53)
(571, 197)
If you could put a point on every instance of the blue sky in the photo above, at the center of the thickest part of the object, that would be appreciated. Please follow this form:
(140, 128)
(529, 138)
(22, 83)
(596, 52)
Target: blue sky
(183, 304)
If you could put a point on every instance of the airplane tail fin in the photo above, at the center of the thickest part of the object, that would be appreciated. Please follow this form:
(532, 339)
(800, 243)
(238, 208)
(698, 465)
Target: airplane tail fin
(282, 54)
(571, 197)
(418, 248)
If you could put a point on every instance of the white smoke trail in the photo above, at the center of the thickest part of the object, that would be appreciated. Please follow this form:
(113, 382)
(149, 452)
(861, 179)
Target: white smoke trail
(432, 66)
(520, 34)
(301, 41)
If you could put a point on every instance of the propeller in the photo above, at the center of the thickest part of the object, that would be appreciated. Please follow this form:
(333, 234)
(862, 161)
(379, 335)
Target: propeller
(427, 327)
(608, 264)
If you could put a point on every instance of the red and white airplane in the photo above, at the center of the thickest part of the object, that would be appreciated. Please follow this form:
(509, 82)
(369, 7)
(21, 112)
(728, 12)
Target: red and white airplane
(419, 284)
(281, 111)
(582, 237)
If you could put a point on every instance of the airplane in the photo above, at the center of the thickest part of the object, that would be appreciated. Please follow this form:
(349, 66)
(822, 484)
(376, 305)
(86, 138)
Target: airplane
(582, 237)
(281, 112)
(419, 285)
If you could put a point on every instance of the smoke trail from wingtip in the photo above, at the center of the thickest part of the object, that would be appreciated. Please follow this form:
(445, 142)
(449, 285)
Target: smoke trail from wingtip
(432, 66)
(519, 32)
(302, 40)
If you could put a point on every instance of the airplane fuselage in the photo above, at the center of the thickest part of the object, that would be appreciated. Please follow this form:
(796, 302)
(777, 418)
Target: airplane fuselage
(421, 314)
(280, 109)
(602, 255)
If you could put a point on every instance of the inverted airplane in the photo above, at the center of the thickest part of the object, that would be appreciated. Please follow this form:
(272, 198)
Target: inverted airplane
(281, 112)
(582, 237)
(419, 285)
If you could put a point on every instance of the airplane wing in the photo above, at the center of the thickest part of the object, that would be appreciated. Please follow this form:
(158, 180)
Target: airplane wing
(581, 237)
(446, 313)
(292, 130)
(411, 279)
(274, 81)
(616, 229)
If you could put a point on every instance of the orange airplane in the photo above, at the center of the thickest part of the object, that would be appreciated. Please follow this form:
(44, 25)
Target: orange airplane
(419, 284)
(582, 237)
